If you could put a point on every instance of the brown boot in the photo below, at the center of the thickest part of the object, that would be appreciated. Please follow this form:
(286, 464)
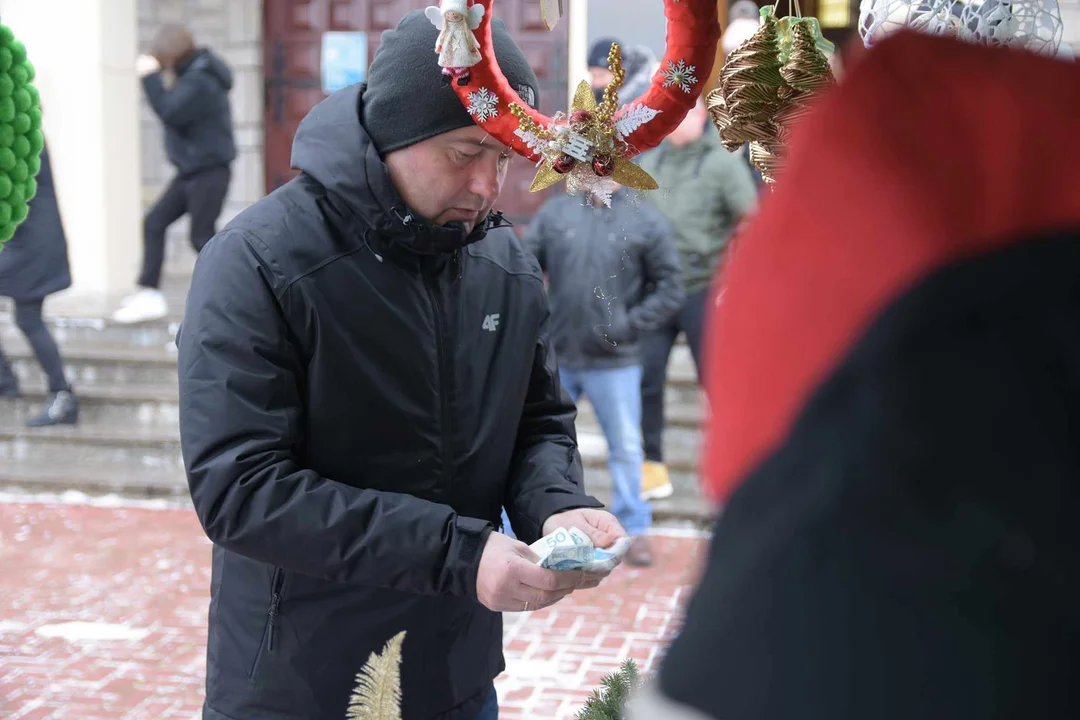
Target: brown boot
(640, 552)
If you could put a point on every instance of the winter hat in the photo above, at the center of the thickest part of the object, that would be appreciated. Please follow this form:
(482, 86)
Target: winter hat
(599, 51)
(458, 6)
(745, 9)
(738, 31)
(408, 99)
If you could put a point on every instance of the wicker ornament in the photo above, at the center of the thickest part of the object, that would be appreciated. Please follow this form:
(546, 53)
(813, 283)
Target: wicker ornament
(766, 86)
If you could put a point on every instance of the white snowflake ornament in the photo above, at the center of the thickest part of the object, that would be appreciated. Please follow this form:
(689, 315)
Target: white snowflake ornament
(679, 75)
(483, 105)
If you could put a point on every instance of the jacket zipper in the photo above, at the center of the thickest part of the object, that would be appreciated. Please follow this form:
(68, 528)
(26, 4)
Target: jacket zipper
(440, 353)
(275, 600)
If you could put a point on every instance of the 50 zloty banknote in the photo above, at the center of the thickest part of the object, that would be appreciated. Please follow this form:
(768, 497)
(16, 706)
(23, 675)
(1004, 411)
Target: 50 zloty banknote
(571, 549)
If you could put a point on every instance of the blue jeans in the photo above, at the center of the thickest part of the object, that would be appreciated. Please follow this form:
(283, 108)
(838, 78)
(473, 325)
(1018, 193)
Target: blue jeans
(490, 711)
(615, 395)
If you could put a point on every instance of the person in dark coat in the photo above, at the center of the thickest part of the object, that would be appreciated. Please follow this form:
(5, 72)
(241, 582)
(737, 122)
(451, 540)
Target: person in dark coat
(366, 378)
(613, 275)
(200, 145)
(898, 444)
(34, 265)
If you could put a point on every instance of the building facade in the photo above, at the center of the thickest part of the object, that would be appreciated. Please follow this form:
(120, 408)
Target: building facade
(106, 144)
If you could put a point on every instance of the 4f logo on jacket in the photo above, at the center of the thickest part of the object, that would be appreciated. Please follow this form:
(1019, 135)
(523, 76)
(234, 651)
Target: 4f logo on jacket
(491, 322)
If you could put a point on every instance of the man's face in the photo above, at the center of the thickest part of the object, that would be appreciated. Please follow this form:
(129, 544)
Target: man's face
(453, 177)
(599, 77)
(692, 127)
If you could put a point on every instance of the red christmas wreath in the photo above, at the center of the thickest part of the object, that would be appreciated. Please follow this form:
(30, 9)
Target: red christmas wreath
(692, 34)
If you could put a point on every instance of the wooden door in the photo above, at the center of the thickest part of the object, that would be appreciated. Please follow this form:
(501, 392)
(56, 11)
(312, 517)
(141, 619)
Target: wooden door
(291, 54)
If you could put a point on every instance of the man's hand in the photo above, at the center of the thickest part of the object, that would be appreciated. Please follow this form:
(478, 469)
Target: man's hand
(147, 65)
(509, 580)
(601, 526)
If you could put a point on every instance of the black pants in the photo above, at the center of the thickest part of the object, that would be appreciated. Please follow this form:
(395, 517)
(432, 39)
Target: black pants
(656, 351)
(200, 195)
(28, 318)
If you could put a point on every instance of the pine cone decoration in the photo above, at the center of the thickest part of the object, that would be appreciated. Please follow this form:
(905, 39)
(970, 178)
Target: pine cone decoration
(806, 73)
(748, 95)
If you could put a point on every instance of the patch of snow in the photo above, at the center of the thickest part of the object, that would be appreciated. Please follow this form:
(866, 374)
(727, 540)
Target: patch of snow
(78, 631)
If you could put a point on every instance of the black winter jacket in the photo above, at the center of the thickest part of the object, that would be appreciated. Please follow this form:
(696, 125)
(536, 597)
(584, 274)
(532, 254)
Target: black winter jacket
(613, 273)
(195, 113)
(360, 393)
(34, 262)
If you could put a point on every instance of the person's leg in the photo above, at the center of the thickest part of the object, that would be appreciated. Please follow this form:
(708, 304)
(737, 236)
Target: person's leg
(490, 711)
(9, 382)
(205, 194)
(655, 352)
(62, 407)
(169, 208)
(616, 397)
(693, 319)
(149, 303)
(28, 317)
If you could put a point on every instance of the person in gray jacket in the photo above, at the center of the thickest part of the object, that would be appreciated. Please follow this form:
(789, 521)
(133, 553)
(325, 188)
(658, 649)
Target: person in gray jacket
(613, 275)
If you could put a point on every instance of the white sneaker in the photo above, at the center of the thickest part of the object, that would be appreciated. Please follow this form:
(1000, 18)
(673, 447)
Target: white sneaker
(145, 305)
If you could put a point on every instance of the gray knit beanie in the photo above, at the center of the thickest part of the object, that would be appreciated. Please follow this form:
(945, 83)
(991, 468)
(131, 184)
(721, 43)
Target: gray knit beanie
(408, 99)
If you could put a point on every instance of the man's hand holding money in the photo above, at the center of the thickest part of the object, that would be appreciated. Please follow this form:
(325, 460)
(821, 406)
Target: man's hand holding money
(601, 527)
(602, 531)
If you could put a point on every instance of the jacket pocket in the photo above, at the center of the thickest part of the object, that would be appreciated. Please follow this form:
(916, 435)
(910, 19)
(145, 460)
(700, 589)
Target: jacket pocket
(266, 646)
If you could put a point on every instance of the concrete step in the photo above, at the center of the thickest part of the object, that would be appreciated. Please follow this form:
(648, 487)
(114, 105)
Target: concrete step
(88, 445)
(131, 478)
(154, 411)
(126, 408)
(96, 366)
(128, 478)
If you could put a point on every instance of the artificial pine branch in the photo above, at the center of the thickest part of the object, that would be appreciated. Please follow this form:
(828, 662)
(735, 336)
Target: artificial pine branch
(377, 695)
(608, 702)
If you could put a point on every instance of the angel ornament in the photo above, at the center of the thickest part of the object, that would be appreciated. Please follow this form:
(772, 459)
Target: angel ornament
(457, 46)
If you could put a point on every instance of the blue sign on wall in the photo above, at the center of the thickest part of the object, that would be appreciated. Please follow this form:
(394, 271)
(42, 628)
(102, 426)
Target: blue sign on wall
(344, 60)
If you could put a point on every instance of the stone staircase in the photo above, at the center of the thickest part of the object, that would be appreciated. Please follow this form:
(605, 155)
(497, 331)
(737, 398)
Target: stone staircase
(128, 441)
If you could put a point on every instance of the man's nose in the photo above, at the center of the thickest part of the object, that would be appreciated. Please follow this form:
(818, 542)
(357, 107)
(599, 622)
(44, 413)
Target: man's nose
(486, 180)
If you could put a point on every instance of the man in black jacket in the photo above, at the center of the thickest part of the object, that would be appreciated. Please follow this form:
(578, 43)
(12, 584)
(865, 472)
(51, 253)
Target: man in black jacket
(613, 274)
(199, 142)
(366, 378)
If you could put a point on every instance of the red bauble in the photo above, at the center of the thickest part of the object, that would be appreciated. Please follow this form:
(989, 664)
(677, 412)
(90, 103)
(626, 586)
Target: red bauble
(564, 164)
(580, 116)
(603, 165)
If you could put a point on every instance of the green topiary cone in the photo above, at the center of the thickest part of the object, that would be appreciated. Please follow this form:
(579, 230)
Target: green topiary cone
(21, 140)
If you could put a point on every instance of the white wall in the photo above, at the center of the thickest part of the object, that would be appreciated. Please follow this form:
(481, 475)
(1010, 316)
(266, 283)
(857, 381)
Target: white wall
(83, 52)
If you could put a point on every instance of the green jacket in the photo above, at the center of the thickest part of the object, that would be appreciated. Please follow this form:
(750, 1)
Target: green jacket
(704, 190)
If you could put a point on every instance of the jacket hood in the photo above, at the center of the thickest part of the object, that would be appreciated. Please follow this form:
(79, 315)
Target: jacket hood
(206, 61)
(333, 148)
(871, 203)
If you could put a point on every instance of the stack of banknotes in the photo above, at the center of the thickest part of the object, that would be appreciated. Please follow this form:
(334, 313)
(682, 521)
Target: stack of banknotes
(571, 549)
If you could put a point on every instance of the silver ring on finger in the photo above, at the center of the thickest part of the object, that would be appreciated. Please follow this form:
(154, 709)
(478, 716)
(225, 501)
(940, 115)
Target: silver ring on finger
(526, 606)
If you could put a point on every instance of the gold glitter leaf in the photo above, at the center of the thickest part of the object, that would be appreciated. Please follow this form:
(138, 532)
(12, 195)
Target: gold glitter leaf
(545, 178)
(630, 175)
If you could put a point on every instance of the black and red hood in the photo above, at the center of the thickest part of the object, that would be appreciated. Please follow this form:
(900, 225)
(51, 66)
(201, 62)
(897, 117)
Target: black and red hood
(931, 152)
(895, 380)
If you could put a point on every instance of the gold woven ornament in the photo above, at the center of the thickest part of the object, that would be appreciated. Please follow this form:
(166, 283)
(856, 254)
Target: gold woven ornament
(748, 94)
(584, 148)
(805, 74)
(765, 88)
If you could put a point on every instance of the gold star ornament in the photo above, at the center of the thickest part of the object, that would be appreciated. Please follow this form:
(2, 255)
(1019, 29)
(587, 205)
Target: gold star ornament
(585, 148)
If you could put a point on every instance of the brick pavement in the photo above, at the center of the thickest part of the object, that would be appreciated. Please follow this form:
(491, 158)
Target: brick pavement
(103, 614)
